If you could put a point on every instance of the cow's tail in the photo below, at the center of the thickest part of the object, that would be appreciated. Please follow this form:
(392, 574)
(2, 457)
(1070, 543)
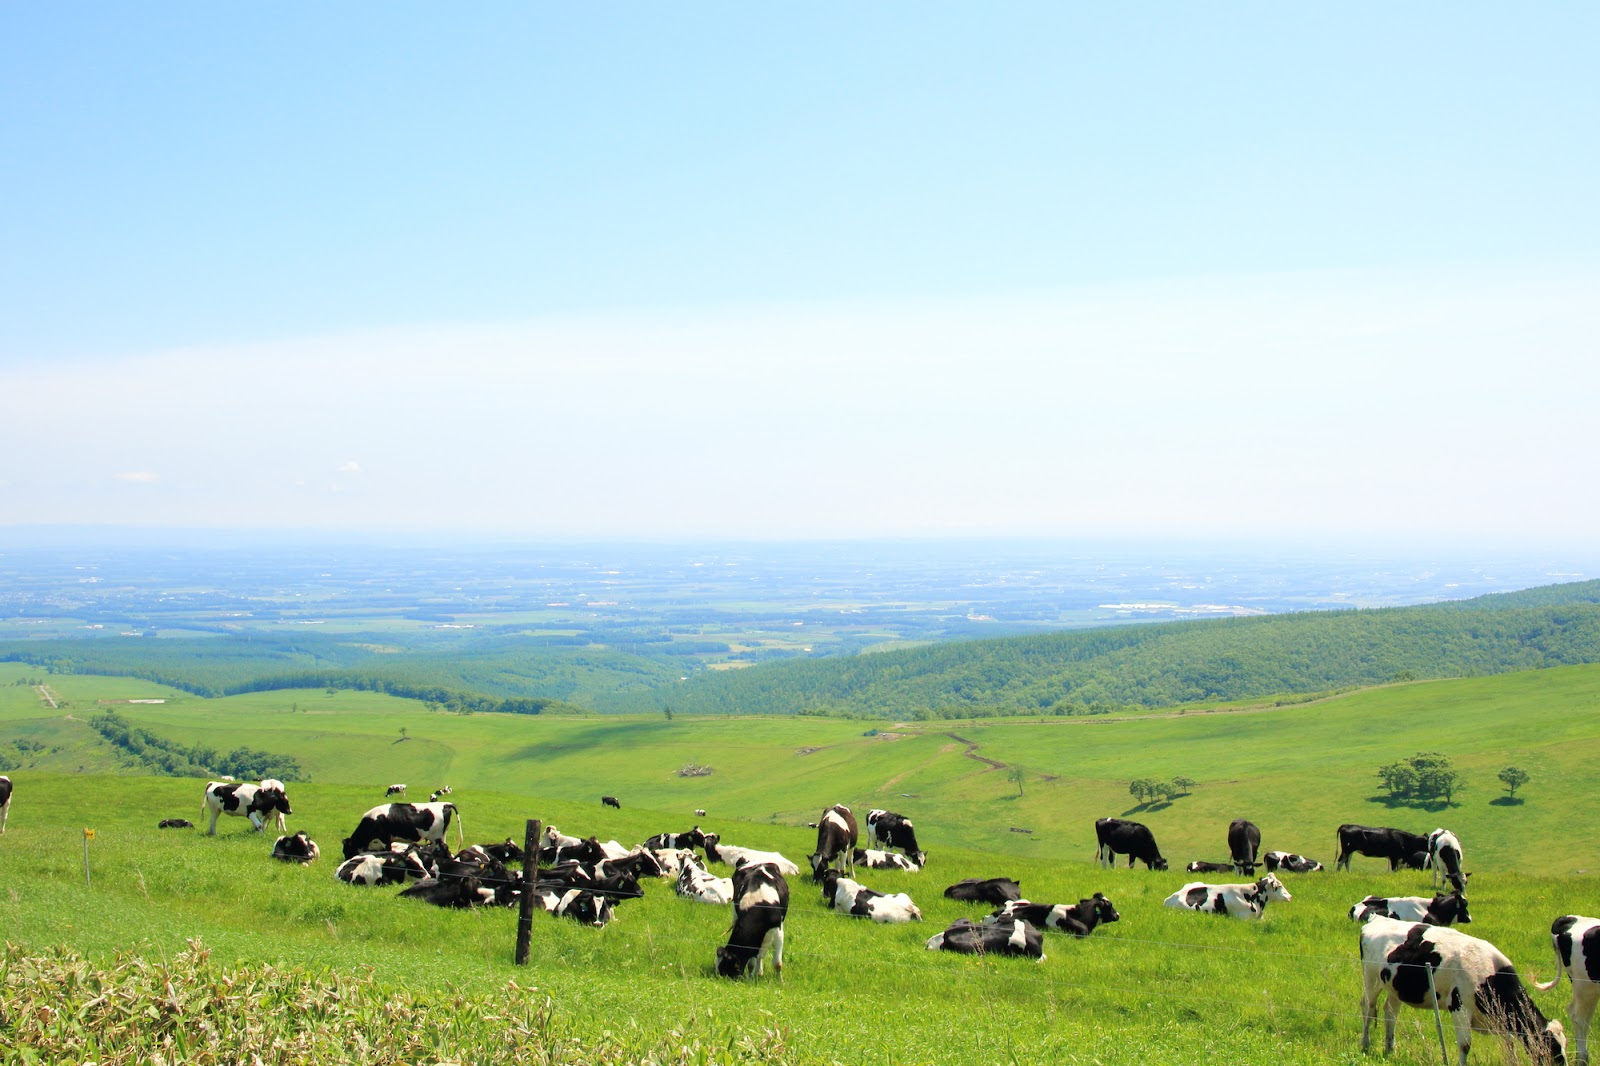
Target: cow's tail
(460, 833)
(1545, 986)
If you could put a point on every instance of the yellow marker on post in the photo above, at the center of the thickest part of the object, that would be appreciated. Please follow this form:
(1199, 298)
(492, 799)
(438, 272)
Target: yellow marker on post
(88, 835)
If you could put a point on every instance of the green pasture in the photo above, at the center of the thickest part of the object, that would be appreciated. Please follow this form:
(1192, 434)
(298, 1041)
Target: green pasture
(1297, 771)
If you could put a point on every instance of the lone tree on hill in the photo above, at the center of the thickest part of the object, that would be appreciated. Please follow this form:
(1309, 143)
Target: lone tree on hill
(1513, 778)
(1017, 775)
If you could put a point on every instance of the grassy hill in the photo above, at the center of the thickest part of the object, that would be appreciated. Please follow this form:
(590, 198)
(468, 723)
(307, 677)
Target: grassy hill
(1100, 670)
(1177, 987)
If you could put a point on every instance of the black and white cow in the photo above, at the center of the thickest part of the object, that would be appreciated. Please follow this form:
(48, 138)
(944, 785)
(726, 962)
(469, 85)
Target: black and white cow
(873, 859)
(699, 812)
(895, 831)
(579, 904)
(692, 839)
(5, 801)
(1288, 860)
(505, 851)
(272, 785)
(733, 855)
(1133, 839)
(388, 822)
(450, 892)
(440, 793)
(1471, 979)
(298, 848)
(610, 801)
(1577, 943)
(1236, 901)
(1445, 858)
(696, 883)
(760, 904)
(395, 790)
(175, 823)
(996, 891)
(1079, 918)
(1448, 909)
(1201, 866)
(1378, 842)
(853, 898)
(1244, 842)
(836, 841)
(384, 868)
(1001, 937)
(254, 802)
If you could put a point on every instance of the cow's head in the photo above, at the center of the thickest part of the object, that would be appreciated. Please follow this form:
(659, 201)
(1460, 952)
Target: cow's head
(1102, 908)
(734, 961)
(1158, 864)
(1273, 888)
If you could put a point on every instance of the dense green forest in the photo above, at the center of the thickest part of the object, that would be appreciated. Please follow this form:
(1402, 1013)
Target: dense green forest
(1101, 670)
(1074, 673)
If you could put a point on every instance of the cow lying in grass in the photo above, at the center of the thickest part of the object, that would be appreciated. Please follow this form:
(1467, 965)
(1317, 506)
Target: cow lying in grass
(1079, 918)
(1236, 901)
(1447, 909)
(298, 848)
(854, 898)
(1003, 936)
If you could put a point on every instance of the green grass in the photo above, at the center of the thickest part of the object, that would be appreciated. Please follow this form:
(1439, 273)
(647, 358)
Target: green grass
(1161, 986)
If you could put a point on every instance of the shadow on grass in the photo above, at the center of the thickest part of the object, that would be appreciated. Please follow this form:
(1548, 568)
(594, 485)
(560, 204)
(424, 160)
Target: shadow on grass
(1146, 808)
(1506, 801)
(1411, 804)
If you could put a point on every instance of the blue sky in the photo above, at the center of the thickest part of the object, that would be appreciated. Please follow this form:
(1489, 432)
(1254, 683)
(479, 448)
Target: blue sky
(820, 270)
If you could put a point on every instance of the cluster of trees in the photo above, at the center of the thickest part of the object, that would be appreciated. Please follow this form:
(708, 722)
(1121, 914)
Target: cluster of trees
(1424, 777)
(172, 759)
(1149, 789)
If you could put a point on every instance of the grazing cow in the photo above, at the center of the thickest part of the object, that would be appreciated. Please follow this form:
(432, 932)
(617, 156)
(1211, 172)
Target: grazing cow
(717, 851)
(1079, 918)
(1440, 910)
(610, 801)
(1237, 901)
(440, 793)
(1577, 943)
(697, 884)
(1445, 857)
(1200, 866)
(1471, 979)
(1000, 937)
(883, 860)
(1376, 842)
(386, 868)
(1133, 839)
(997, 891)
(175, 823)
(577, 904)
(1244, 841)
(298, 848)
(1288, 860)
(895, 831)
(5, 801)
(245, 801)
(384, 824)
(395, 790)
(699, 813)
(760, 904)
(836, 841)
(854, 898)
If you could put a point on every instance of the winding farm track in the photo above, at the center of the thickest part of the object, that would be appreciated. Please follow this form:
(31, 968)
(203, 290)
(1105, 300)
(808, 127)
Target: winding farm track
(46, 695)
(972, 752)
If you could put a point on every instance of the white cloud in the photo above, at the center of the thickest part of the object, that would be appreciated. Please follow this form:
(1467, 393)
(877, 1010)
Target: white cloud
(1440, 403)
(138, 477)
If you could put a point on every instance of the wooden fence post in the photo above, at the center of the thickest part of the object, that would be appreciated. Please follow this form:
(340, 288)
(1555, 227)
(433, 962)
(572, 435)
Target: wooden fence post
(530, 876)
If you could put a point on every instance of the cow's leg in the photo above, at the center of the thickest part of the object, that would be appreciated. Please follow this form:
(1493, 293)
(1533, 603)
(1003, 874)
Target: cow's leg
(213, 830)
(775, 944)
(1391, 1011)
(1371, 989)
(1581, 1011)
(1130, 860)
(5, 814)
(1463, 1022)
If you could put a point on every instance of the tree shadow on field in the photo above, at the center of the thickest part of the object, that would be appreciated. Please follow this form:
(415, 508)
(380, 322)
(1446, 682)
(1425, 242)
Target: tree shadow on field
(1410, 803)
(1507, 801)
(1147, 808)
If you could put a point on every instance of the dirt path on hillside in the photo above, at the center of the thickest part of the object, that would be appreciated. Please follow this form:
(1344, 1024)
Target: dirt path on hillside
(972, 752)
(46, 695)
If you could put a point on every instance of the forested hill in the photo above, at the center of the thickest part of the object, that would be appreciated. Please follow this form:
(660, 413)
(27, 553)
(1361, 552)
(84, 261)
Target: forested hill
(1096, 671)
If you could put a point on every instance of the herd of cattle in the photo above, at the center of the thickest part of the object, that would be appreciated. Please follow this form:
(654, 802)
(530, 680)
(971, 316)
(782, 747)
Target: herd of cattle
(1409, 948)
